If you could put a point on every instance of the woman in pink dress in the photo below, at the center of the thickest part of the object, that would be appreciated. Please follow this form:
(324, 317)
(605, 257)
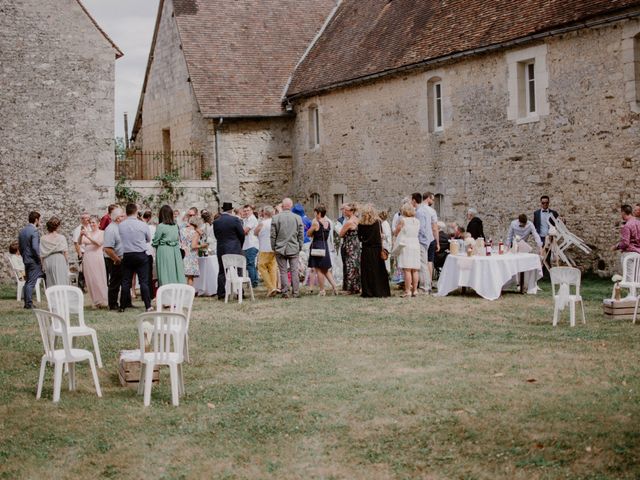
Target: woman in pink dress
(95, 274)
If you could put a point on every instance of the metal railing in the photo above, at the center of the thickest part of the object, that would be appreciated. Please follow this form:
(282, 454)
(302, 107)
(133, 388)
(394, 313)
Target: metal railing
(145, 165)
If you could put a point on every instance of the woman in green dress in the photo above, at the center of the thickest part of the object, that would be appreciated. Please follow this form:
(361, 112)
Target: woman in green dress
(169, 264)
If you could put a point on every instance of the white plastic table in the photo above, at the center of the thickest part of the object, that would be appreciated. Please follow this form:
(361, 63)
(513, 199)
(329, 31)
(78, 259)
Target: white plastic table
(207, 283)
(487, 275)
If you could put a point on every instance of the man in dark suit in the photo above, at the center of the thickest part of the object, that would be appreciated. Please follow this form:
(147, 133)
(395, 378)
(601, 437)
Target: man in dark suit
(541, 218)
(29, 244)
(229, 237)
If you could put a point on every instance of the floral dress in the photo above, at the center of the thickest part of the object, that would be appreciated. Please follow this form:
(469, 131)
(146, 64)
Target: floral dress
(351, 254)
(191, 267)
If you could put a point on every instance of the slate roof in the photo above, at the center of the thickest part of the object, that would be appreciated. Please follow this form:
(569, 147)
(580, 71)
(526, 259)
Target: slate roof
(368, 37)
(240, 53)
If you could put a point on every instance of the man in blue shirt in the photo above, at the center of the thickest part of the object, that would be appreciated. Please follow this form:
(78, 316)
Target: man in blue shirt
(112, 248)
(135, 235)
(29, 244)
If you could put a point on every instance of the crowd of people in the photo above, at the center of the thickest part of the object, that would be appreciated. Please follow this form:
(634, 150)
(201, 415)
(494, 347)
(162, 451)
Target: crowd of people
(282, 246)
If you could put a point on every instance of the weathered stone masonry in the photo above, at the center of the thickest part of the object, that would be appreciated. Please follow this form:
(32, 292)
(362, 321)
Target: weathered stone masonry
(376, 145)
(57, 110)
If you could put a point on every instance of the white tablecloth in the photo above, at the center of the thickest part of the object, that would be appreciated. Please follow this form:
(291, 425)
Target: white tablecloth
(487, 275)
(207, 283)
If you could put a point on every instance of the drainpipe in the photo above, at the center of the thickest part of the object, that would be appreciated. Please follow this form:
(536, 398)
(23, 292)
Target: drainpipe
(218, 161)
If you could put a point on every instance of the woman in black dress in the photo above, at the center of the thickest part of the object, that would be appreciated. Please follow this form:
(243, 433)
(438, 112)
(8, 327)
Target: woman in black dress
(320, 230)
(373, 272)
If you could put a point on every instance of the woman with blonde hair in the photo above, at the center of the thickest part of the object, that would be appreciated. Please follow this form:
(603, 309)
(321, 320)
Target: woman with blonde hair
(350, 250)
(408, 248)
(373, 272)
(95, 272)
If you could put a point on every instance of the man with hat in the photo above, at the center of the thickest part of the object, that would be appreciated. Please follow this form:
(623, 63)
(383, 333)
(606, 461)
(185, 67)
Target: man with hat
(229, 234)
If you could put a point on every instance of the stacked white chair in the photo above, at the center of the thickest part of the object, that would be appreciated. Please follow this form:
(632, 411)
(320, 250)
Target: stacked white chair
(231, 264)
(565, 278)
(52, 326)
(566, 239)
(177, 297)
(166, 340)
(65, 300)
(631, 273)
(631, 279)
(20, 281)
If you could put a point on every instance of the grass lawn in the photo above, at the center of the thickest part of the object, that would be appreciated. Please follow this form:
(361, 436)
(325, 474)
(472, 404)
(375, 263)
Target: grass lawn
(341, 388)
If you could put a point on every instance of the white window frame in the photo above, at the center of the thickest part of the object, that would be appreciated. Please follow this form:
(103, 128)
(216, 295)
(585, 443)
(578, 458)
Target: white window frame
(518, 79)
(437, 105)
(438, 111)
(314, 127)
(529, 79)
(631, 64)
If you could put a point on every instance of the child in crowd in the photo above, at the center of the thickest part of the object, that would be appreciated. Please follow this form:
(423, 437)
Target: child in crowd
(16, 260)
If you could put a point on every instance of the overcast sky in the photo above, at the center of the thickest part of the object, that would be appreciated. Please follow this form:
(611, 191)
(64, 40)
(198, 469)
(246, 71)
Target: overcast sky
(129, 23)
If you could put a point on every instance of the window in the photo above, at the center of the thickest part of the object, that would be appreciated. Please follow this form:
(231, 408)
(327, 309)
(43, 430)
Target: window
(438, 204)
(166, 149)
(338, 200)
(631, 65)
(315, 200)
(166, 140)
(314, 127)
(636, 63)
(527, 82)
(435, 104)
(437, 94)
(530, 87)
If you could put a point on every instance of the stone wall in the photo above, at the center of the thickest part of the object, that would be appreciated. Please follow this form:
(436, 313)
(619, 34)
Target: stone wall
(376, 145)
(255, 160)
(57, 110)
(169, 102)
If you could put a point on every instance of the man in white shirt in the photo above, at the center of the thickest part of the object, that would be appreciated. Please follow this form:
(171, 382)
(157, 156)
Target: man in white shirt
(251, 245)
(267, 265)
(433, 234)
(523, 228)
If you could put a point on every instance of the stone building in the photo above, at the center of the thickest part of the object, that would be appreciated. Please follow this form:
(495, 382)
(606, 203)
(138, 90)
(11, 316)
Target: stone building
(487, 104)
(57, 108)
(216, 74)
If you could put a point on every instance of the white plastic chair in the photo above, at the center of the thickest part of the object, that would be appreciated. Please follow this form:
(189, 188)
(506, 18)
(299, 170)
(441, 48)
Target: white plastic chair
(631, 273)
(177, 297)
(566, 239)
(65, 300)
(47, 322)
(234, 281)
(20, 281)
(565, 277)
(167, 341)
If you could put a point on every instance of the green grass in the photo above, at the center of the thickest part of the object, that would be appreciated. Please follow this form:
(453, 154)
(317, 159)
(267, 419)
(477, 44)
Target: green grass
(341, 388)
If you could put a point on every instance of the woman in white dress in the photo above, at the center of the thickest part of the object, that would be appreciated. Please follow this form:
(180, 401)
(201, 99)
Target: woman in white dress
(408, 249)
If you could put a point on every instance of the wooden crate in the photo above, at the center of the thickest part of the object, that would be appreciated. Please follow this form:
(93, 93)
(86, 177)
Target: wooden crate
(619, 309)
(129, 369)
